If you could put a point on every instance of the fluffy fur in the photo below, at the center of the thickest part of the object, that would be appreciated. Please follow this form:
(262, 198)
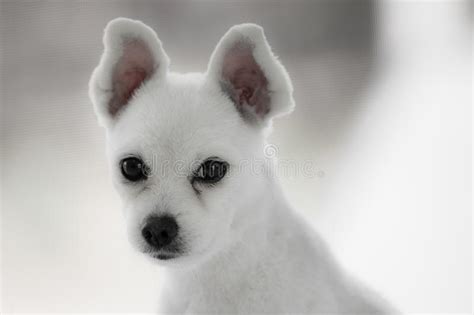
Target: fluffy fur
(243, 249)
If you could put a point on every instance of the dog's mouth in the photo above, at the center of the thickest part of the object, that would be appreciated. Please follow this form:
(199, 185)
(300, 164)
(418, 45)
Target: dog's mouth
(164, 256)
(172, 251)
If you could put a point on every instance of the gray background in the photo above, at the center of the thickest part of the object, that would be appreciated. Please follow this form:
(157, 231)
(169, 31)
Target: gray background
(383, 117)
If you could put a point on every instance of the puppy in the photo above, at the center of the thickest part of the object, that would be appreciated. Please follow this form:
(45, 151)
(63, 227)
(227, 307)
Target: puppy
(183, 151)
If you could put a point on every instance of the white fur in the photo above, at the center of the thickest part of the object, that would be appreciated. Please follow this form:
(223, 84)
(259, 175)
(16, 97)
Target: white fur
(247, 251)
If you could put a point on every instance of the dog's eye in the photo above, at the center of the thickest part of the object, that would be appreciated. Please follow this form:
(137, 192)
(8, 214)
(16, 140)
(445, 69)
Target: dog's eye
(133, 169)
(211, 171)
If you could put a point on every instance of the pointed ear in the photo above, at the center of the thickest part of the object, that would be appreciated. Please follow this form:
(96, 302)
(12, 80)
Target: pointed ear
(250, 75)
(132, 56)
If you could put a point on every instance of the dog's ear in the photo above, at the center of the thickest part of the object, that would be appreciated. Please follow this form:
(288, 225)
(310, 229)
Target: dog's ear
(250, 75)
(132, 56)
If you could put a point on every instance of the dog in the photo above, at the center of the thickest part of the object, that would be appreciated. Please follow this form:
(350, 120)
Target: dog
(182, 151)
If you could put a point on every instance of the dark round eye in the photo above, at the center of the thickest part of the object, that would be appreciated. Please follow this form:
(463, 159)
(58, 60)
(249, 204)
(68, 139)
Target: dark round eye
(133, 169)
(211, 171)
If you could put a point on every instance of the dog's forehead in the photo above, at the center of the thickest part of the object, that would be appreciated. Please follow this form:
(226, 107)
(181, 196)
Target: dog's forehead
(176, 117)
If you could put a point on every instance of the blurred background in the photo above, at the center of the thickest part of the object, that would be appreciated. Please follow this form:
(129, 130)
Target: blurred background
(384, 99)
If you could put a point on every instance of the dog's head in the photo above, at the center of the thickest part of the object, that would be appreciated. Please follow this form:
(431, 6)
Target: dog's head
(181, 146)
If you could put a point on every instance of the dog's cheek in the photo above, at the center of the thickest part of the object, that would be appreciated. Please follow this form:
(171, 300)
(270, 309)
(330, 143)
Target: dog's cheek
(135, 210)
(191, 231)
(198, 228)
(132, 226)
(222, 209)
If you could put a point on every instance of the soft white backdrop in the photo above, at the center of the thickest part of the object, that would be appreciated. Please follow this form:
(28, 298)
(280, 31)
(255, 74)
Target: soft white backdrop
(384, 103)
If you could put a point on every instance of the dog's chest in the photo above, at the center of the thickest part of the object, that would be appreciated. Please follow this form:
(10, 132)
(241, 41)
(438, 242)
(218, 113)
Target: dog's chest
(276, 287)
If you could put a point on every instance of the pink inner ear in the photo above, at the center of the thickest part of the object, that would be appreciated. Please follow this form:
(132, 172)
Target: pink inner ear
(246, 80)
(134, 67)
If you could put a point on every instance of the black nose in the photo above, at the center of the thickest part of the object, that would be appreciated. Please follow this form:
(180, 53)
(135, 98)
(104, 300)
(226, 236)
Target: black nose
(160, 231)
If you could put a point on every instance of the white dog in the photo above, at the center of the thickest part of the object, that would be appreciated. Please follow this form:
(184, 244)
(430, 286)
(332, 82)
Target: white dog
(182, 150)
